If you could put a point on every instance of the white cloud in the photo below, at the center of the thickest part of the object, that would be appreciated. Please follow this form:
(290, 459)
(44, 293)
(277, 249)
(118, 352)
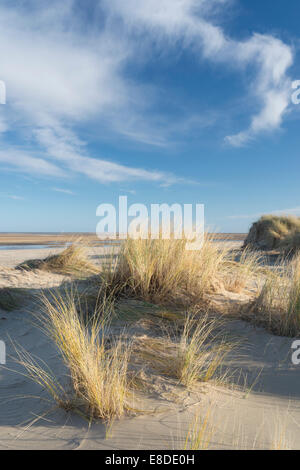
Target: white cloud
(272, 85)
(61, 73)
(59, 76)
(15, 198)
(188, 21)
(12, 196)
(64, 191)
(28, 164)
(65, 147)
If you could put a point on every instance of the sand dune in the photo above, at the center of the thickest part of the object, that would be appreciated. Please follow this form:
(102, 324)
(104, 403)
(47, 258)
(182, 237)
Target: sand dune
(264, 413)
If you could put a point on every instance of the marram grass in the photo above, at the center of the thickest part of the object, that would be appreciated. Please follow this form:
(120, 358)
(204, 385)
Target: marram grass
(98, 367)
(278, 303)
(71, 261)
(195, 356)
(163, 271)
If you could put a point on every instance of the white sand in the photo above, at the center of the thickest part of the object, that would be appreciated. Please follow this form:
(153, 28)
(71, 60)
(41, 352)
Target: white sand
(241, 419)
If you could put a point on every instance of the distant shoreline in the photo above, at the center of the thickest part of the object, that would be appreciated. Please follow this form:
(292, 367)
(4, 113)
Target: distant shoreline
(54, 239)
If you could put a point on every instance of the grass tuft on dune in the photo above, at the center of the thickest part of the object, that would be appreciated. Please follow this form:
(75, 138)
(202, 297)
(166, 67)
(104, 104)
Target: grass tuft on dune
(97, 363)
(278, 303)
(72, 261)
(163, 271)
(272, 232)
(196, 355)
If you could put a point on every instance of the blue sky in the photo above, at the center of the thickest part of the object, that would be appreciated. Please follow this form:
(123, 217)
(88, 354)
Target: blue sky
(164, 101)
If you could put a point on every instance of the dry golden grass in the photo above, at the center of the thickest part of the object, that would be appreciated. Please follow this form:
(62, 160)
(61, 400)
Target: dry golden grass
(275, 232)
(282, 438)
(98, 366)
(291, 244)
(163, 271)
(202, 429)
(280, 441)
(73, 261)
(158, 271)
(239, 274)
(195, 355)
(200, 433)
(278, 304)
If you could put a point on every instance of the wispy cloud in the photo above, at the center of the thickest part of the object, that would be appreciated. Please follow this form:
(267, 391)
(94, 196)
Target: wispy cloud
(15, 198)
(65, 191)
(63, 146)
(28, 164)
(12, 196)
(62, 72)
(192, 24)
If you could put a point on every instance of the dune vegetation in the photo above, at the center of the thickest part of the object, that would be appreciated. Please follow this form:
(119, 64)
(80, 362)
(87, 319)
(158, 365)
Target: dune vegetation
(97, 363)
(191, 355)
(71, 261)
(163, 271)
(101, 369)
(101, 365)
(277, 305)
(200, 432)
(181, 295)
(272, 232)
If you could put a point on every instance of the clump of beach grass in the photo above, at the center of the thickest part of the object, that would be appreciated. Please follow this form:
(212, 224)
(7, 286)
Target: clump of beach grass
(194, 356)
(71, 261)
(272, 232)
(164, 271)
(291, 244)
(278, 304)
(97, 365)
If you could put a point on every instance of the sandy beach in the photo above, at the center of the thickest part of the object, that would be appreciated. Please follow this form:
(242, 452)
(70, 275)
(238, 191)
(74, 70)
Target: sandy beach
(256, 413)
